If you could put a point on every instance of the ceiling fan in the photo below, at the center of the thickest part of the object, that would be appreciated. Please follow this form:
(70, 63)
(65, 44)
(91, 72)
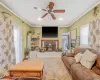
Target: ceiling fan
(49, 10)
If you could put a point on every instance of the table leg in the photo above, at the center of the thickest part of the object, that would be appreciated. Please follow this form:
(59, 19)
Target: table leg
(41, 75)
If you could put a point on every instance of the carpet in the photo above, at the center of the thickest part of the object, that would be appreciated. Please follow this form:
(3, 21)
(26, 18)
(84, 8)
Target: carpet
(54, 69)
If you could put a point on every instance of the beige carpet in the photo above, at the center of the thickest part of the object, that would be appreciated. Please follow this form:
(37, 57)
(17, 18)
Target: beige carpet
(54, 69)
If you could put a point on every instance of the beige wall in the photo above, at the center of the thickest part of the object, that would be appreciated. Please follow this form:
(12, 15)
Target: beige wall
(84, 20)
(23, 26)
(60, 31)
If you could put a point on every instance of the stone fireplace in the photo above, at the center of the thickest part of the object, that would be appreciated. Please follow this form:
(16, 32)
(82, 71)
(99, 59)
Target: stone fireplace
(50, 45)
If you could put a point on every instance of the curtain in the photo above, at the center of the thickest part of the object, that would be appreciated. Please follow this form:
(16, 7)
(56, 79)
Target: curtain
(94, 34)
(7, 48)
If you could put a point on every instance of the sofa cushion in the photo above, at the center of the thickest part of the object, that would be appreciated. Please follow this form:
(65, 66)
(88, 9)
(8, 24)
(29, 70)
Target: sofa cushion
(68, 61)
(76, 67)
(96, 70)
(79, 72)
(82, 50)
(88, 59)
(95, 52)
(78, 57)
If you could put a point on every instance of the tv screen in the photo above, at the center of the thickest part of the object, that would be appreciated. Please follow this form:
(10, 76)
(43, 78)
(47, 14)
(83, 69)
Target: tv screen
(49, 32)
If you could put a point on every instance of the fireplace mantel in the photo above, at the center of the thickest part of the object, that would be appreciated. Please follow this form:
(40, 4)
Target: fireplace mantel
(53, 43)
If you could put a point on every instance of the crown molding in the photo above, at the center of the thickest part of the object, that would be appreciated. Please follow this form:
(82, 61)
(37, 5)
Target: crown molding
(15, 14)
(83, 14)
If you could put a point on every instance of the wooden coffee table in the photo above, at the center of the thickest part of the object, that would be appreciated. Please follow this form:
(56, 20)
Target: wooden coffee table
(27, 69)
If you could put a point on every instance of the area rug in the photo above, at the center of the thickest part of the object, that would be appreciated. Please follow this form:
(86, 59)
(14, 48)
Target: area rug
(54, 69)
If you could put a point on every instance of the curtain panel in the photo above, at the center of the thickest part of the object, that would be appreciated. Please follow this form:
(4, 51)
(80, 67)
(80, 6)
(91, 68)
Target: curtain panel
(94, 34)
(7, 48)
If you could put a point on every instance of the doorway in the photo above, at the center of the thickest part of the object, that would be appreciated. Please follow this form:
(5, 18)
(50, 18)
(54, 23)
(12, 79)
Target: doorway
(64, 41)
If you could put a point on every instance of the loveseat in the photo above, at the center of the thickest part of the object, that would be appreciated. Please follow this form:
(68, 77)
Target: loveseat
(77, 70)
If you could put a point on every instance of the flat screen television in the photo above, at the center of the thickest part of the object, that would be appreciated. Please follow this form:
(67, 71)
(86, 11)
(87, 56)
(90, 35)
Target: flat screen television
(49, 31)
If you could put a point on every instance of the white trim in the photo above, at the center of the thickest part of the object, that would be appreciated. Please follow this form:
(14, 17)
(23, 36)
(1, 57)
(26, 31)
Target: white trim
(83, 14)
(15, 14)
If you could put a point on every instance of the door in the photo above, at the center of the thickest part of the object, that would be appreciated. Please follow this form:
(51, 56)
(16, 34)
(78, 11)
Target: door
(64, 41)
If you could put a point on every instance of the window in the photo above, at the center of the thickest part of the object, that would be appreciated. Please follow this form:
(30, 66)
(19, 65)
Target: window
(84, 34)
(18, 43)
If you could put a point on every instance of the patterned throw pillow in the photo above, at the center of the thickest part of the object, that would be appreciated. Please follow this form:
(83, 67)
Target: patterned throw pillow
(88, 59)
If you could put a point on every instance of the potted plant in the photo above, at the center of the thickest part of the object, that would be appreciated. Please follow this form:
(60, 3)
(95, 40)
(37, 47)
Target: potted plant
(29, 32)
(26, 53)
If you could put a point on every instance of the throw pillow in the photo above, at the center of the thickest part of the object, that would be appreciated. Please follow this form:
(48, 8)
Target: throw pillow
(78, 57)
(88, 59)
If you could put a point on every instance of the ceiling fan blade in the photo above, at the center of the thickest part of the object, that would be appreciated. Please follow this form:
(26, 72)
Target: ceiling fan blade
(40, 9)
(58, 11)
(51, 5)
(53, 16)
(43, 9)
(44, 15)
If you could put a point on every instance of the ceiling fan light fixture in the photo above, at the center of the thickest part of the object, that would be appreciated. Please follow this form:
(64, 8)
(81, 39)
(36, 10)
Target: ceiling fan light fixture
(39, 19)
(60, 19)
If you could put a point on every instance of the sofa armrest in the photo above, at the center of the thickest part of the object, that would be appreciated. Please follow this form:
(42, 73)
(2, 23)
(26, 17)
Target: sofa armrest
(92, 75)
(70, 54)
